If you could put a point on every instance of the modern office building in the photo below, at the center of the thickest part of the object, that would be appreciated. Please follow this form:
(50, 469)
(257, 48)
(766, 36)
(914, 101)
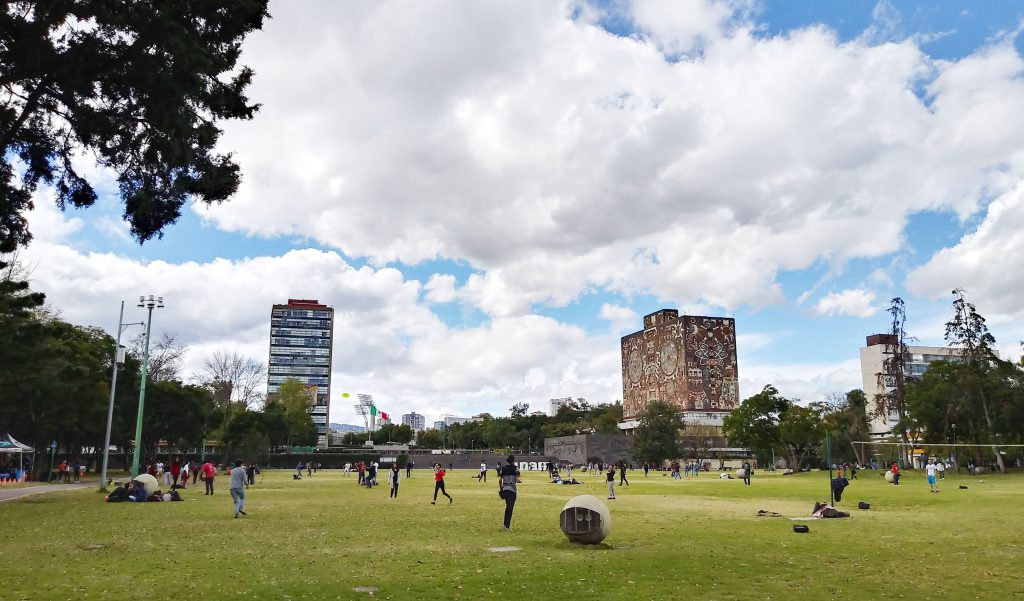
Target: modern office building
(872, 365)
(440, 425)
(685, 360)
(301, 336)
(414, 420)
(555, 404)
(451, 420)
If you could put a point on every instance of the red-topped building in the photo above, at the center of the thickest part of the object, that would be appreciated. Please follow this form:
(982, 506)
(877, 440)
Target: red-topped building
(301, 339)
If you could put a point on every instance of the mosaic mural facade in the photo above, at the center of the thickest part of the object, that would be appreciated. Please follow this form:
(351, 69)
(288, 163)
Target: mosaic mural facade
(688, 361)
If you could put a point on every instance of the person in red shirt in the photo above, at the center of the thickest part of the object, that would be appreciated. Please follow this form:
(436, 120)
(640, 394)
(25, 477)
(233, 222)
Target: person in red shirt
(209, 472)
(439, 484)
(361, 467)
(895, 474)
(175, 472)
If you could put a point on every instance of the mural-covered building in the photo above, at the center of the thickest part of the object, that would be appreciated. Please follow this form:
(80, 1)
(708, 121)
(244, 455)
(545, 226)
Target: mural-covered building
(686, 360)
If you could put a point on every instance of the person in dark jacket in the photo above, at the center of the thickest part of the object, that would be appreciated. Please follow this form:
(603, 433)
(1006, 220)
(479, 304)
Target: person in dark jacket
(507, 481)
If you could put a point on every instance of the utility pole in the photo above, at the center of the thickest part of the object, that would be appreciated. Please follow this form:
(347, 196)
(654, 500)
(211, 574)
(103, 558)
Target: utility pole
(150, 303)
(118, 359)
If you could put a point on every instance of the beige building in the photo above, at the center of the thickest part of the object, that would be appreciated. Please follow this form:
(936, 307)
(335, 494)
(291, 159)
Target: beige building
(872, 360)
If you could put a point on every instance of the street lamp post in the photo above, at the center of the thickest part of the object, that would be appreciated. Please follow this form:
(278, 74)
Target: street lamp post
(118, 359)
(956, 452)
(149, 303)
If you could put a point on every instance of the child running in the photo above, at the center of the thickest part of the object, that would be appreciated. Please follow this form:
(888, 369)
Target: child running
(439, 484)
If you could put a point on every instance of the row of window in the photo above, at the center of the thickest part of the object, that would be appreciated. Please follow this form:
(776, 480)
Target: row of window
(299, 369)
(300, 313)
(311, 342)
(300, 360)
(299, 352)
(320, 324)
(322, 390)
(277, 380)
(299, 333)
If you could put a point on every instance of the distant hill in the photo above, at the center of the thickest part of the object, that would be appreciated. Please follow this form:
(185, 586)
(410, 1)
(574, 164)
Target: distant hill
(347, 428)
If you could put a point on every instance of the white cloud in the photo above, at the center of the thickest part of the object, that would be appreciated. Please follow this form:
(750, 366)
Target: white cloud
(854, 302)
(620, 318)
(440, 288)
(988, 263)
(555, 158)
(808, 382)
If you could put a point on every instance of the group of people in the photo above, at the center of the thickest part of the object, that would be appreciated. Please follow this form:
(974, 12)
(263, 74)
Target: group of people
(68, 471)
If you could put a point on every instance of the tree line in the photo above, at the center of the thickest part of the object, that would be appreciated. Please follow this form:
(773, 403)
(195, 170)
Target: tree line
(55, 381)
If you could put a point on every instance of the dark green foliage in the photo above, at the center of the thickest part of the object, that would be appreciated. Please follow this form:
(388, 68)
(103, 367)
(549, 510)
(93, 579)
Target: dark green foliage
(141, 85)
(657, 436)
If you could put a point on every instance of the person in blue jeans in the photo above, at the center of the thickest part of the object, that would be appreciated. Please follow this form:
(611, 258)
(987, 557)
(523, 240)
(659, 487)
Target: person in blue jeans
(238, 484)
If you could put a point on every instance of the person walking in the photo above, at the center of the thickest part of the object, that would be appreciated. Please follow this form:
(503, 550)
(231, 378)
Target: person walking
(941, 466)
(408, 468)
(483, 472)
(209, 472)
(298, 471)
(309, 469)
(237, 489)
(610, 477)
(507, 481)
(439, 484)
(393, 480)
(746, 473)
(185, 469)
(895, 474)
(250, 473)
(371, 475)
(622, 474)
(175, 472)
(647, 467)
(196, 469)
(933, 471)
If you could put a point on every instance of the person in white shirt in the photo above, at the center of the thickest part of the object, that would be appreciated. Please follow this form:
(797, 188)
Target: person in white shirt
(348, 469)
(942, 469)
(931, 469)
(483, 472)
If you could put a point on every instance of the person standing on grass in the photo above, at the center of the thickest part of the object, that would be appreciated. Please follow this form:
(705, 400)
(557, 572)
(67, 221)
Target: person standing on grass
(932, 470)
(622, 474)
(393, 476)
(610, 477)
(895, 474)
(746, 473)
(209, 472)
(509, 477)
(175, 472)
(238, 484)
(647, 467)
(408, 468)
(309, 469)
(483, 472)
(439, 484)
(941, 466)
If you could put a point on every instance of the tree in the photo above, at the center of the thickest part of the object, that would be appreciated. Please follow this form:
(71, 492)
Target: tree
(657, 435)
(844, 416)
(697, 439)
(165, 355)
(755, 423)
(430, 439)
(967, 333)
(519, 410)
(234, 380)
(800, 432)
(297, 403)
(892, 379)
(141, 86)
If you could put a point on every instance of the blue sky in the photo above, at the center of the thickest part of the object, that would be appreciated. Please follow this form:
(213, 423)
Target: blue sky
(488, 231)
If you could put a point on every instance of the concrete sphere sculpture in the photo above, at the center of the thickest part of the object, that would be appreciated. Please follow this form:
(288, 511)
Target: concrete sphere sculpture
(585, 519)
(889, 477)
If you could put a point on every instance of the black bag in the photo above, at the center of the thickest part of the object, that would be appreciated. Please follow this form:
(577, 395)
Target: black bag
(863, 505)
(801, 528)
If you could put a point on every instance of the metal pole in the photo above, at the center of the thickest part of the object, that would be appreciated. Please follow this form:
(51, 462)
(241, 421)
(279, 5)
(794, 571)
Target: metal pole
(828, 447)
(142, 395)
(110, 408)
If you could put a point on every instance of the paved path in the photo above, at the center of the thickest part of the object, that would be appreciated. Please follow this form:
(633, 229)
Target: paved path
(9, 494)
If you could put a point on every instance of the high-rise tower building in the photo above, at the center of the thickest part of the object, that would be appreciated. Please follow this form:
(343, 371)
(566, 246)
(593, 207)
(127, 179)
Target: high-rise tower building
(415, 421)
(687, 361)
(301, 337)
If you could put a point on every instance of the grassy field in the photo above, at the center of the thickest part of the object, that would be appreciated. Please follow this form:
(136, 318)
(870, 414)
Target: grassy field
(323, 537)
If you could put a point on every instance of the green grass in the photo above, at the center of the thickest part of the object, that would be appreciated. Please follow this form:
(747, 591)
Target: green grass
(319, 538)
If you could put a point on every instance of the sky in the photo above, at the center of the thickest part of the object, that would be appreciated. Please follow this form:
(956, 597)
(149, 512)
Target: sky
(491, 194)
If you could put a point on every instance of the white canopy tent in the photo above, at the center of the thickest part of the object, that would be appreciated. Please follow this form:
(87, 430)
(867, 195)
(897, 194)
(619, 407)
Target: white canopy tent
(9, 446)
